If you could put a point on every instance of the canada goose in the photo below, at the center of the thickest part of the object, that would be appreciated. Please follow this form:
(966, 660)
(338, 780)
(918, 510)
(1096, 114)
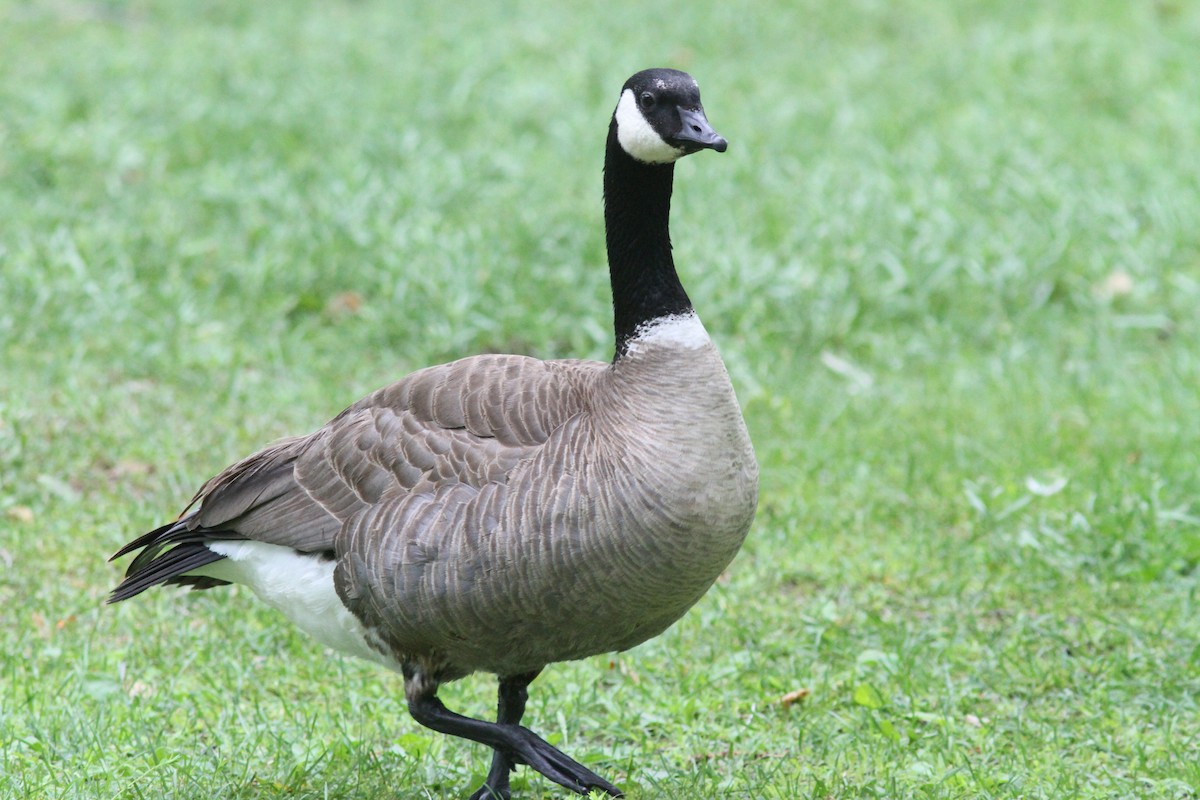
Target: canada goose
(501, 513)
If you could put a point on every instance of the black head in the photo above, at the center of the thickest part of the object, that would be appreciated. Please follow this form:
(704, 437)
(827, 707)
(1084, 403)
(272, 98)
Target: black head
(659, 118)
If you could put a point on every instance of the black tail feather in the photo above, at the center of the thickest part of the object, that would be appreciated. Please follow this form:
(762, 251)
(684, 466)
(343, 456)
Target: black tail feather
(147, 539)
(167, 568)
(168, 553)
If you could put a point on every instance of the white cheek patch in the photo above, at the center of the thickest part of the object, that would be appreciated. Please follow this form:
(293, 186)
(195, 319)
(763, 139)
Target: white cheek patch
(637, 137)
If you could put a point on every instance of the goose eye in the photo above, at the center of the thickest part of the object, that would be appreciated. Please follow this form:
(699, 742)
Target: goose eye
(646, 100)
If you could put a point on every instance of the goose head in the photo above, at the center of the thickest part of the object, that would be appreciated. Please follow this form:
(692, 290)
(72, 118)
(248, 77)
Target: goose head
(659, 118)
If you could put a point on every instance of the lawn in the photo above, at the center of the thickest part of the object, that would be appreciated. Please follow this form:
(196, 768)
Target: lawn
(952, 259)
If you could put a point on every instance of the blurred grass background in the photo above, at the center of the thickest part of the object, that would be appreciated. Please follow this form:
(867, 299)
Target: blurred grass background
(952, 259)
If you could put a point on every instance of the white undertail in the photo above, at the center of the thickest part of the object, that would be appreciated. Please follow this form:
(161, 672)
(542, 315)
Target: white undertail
(301, 587)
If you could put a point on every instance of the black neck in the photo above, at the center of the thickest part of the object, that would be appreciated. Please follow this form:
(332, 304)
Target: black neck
(637, 211)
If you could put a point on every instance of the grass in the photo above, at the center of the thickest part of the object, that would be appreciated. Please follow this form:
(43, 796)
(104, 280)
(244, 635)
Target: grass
(951, 258)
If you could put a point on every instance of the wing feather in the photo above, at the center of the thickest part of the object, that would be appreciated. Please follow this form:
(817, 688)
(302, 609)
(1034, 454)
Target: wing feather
(401, 449)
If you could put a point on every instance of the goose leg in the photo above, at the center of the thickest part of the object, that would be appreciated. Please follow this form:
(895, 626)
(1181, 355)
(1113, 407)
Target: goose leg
(517, 745)
(510, 707)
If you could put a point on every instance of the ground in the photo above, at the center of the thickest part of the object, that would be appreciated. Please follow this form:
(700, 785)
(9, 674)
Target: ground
(952, 258)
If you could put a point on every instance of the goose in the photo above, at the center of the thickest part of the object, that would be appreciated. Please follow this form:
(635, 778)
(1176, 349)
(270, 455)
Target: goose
(500, 513)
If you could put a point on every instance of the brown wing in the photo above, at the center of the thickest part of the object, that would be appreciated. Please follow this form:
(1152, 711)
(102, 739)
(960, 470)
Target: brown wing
(464, 423)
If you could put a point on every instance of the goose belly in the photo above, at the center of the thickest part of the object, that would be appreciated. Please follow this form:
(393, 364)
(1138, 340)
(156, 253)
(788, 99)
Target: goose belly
(573, 586)
(300, 586)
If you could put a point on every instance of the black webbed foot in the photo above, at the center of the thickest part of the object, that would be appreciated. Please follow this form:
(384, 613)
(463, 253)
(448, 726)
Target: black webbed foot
(532, 750)
(512, 743)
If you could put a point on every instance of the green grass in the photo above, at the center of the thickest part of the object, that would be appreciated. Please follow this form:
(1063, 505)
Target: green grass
(952, 259)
